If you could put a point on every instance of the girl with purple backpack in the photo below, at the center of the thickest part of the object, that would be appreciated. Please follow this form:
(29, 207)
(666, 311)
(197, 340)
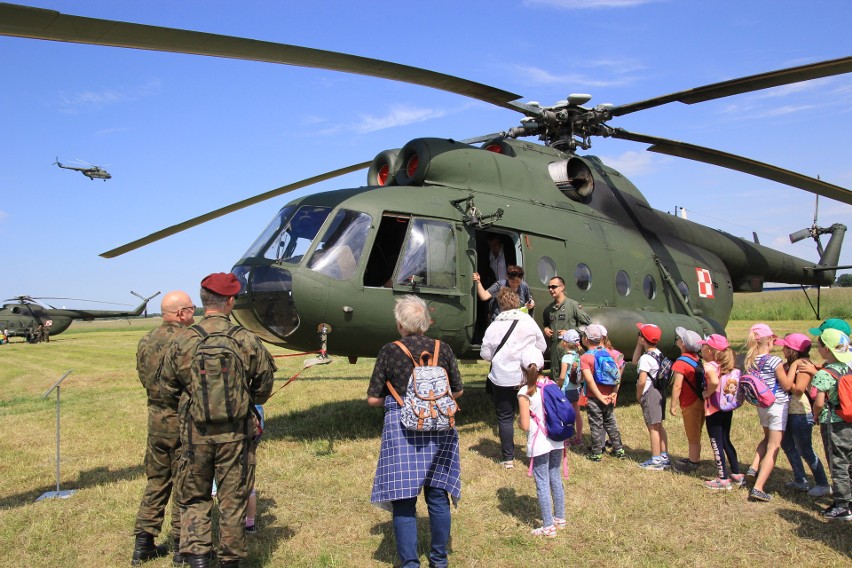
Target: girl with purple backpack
(770, 369)
(719, 372)
(545, 454)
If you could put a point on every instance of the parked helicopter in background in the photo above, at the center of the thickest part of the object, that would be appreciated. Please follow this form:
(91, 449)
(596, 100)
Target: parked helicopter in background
(25, 315)
(327, 269)
(91, 172)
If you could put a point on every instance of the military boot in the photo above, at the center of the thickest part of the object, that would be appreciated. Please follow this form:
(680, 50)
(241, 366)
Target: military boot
(145, 549)
(196, 560)
(178, 559)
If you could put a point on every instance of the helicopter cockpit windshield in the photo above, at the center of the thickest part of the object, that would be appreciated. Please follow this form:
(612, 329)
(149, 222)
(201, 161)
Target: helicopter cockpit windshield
(339, 250)
(288, 236)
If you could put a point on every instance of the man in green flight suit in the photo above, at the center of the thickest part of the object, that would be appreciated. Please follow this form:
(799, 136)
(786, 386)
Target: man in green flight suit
(213, 448)
(563, 313)
(163, 447)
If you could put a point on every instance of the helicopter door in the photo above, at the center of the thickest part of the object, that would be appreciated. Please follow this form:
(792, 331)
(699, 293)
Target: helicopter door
(429, 267)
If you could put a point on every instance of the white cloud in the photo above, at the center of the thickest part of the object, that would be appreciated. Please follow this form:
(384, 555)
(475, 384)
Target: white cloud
(635, 163)
(398, 115)
(92, 100)
(588, 4)
(604, 73)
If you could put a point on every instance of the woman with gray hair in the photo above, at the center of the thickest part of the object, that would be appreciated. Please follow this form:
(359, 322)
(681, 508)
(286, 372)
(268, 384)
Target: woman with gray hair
(509, 334)
(410, 460)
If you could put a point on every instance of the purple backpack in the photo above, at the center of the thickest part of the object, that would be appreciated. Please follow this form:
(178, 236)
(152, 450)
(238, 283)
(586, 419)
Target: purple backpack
(725, 398)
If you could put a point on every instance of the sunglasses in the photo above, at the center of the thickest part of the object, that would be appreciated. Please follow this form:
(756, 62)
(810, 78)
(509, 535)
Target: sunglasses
(554, 286)
(516, 274)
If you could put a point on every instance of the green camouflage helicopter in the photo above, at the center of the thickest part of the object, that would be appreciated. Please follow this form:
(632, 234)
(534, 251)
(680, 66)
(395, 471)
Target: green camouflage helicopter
(329, 265)
(22, 318)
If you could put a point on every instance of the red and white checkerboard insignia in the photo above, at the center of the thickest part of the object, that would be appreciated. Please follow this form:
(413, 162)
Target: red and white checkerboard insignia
(705, 283)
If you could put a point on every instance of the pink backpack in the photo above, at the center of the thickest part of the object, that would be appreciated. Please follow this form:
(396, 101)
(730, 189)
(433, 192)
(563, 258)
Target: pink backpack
(753, 390)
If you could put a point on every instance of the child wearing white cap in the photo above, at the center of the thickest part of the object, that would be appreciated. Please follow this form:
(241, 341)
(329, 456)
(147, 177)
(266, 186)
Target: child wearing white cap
(570, 379)
(545, 454)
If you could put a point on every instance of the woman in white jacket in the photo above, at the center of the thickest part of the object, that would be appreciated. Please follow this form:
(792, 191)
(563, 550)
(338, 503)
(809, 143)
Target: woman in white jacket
(509, 334)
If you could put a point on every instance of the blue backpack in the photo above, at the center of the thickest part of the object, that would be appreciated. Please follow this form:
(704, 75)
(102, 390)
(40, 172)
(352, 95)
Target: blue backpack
(558, 412)
(606, 369)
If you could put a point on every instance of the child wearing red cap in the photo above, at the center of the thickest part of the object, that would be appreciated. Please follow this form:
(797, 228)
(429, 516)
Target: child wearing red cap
(770, 369)
(647, 358)
(796, 441)
(719, 371)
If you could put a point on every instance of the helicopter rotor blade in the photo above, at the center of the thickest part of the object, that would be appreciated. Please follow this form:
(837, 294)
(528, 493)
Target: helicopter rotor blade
(76, 300)
(37, 23)
(743, 85)
(174, 229)
(738, 163)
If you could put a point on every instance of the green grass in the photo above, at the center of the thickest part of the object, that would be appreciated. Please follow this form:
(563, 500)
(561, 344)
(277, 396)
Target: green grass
(793, 305)
(315, 470)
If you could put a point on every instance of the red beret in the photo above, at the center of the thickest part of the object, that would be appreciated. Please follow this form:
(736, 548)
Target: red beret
(222, 283)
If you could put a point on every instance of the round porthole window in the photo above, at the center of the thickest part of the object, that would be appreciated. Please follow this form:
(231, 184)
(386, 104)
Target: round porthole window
(683, 289)
(583, 276)
(622, 283)
(546, 269)
(649, 287)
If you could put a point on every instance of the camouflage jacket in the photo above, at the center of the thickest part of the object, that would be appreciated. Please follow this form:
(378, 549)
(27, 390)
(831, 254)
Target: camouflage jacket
(162, 415)
(176, 380)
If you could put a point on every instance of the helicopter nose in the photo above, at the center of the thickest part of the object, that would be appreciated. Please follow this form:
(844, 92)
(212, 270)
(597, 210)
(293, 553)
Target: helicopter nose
(265, 303)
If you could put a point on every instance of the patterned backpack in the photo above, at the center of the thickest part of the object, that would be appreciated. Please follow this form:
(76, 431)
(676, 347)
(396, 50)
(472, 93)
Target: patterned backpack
(429, 404)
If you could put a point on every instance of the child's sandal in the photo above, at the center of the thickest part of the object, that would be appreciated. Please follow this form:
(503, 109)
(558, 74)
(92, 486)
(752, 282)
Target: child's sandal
(559, 523)
(544, 531)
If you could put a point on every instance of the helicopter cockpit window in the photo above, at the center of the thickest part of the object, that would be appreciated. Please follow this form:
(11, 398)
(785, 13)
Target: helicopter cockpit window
(583, 276)
(340, 249)
(270, 231)
(622, 283)
(295, 233)
(430, 255)
(649, 287)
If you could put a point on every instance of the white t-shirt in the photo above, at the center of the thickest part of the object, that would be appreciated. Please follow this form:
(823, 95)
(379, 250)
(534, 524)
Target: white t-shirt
(537, 442)
(649, 364)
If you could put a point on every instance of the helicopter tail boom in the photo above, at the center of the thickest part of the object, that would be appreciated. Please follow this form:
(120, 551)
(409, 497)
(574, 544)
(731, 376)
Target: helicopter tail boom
(141, 308)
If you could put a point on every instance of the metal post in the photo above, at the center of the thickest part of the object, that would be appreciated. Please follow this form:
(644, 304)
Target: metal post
(58, 494)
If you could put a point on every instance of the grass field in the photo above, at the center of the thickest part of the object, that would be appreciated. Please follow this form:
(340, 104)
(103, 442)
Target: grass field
(315, 470)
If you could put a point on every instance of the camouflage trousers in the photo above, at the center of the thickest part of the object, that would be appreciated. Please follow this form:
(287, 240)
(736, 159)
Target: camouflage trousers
(231, 464)
(161, 462)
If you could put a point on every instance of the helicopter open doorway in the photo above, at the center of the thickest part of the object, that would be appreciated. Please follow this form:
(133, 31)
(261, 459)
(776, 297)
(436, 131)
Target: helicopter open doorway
(486, 243)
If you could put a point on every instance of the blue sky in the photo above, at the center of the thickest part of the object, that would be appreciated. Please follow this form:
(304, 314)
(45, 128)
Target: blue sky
(183, 135)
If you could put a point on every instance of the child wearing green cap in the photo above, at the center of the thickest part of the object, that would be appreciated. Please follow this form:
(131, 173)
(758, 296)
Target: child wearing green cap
(834, 347)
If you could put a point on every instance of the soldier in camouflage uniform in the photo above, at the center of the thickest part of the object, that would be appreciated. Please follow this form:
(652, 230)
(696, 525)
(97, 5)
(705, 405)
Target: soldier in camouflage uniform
(563, 313)
(163, 449)
(224, 451)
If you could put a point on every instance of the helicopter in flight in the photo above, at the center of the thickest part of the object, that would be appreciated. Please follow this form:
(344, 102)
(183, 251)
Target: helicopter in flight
(326, 271)
(92, 172)
(24, 315)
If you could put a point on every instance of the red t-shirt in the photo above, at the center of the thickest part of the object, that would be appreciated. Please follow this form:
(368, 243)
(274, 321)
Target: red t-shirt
(687, 392)
(587, 361)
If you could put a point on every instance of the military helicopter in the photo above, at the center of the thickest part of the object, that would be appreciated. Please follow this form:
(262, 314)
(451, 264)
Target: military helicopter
(91, 172)
(326, 270)
(22, 317)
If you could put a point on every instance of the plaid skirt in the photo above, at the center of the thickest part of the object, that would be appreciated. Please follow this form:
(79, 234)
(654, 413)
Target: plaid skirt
(408, 460)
